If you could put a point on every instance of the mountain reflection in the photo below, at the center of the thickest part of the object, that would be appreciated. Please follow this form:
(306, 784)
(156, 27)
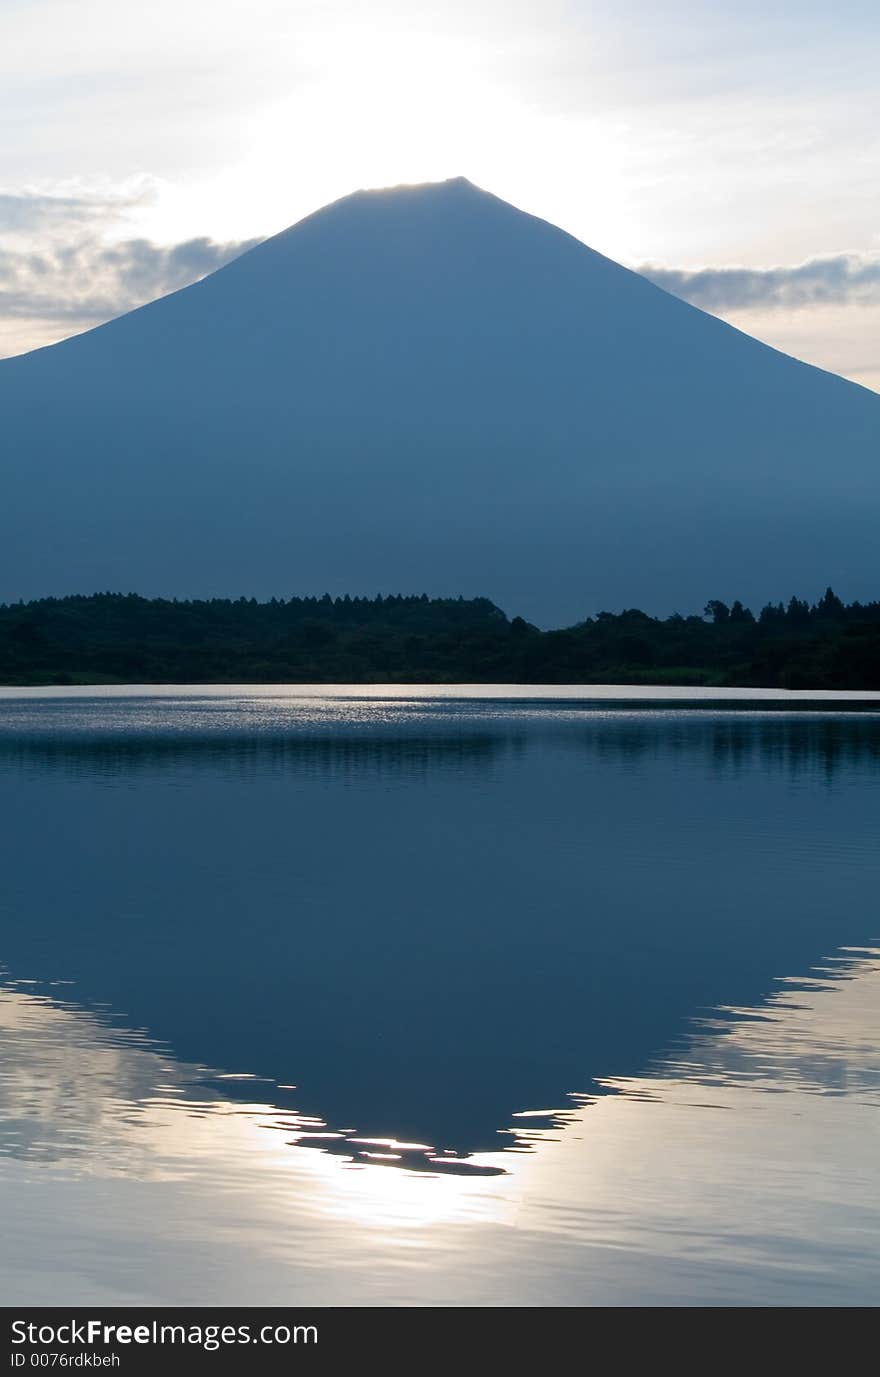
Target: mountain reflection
(76, 1087)
(80, 1090)
(428, 915)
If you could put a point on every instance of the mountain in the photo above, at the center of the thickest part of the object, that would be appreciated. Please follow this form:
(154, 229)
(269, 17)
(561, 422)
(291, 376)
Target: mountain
(426, 389)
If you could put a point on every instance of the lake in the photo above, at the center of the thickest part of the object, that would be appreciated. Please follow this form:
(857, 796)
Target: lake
(439, 996)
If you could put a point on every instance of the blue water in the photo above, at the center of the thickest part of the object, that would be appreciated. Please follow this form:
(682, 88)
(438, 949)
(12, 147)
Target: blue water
(404, 996)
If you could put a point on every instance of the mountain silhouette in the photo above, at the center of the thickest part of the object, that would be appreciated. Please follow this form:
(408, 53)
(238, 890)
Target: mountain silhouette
(425, 388)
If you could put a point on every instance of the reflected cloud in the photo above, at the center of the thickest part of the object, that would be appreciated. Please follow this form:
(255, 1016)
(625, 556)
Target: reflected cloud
(816, 1035)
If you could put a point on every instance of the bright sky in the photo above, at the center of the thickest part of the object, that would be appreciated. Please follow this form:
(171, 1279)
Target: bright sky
(689, 135)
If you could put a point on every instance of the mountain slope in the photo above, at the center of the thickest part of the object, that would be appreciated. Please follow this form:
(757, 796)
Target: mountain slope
(424, 388)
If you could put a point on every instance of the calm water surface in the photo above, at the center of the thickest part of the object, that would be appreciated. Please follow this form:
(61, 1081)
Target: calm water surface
(417, 996)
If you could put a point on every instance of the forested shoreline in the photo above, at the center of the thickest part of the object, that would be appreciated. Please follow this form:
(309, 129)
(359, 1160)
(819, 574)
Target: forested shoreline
(124, 638)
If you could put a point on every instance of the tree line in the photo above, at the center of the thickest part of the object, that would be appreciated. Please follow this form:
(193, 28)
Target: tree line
(125, 638)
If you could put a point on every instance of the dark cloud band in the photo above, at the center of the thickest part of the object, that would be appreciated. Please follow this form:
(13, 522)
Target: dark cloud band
(73, 278)
(842, 280)
(91, 281)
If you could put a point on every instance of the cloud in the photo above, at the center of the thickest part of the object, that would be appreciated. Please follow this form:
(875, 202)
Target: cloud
(65, 267)
(89, 281)
(845, 279)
